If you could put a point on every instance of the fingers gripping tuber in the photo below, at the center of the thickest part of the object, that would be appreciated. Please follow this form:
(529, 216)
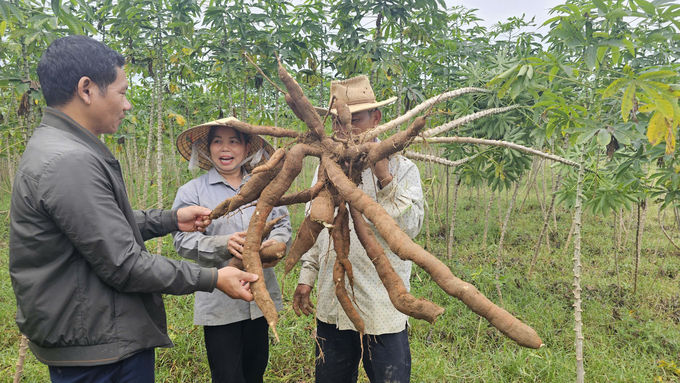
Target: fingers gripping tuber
(406, 249)
(400, 297)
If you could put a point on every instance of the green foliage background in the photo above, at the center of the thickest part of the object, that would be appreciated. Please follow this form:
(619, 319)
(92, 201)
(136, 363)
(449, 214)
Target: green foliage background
(602, 81)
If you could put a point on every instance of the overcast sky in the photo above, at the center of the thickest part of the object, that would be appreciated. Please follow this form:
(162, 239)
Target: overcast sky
(493, 11)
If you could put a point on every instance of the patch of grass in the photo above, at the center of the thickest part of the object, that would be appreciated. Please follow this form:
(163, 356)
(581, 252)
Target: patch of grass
(628, 337)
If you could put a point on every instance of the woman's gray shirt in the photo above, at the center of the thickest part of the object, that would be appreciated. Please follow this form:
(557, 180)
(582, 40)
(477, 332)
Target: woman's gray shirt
(209, 249)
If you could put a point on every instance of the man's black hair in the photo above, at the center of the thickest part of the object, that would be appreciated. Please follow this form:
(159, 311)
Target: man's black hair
(71, 58)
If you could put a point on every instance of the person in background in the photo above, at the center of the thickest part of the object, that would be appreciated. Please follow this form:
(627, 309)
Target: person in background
(88, 292)
(235, 331)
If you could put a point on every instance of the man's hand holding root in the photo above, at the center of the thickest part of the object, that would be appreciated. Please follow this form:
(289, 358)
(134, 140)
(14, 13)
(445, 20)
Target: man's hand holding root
(301, 301)
(193, 218)
(235, 283)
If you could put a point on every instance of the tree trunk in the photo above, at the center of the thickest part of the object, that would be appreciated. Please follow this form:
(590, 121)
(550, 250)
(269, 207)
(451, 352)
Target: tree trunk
(159, 146)
(627, 230)
(500, 242)
(486, 219)
(231, 107)
(456, 184)
(617, 247)
(131, 170)
(244, 108)
(400, 82)
(428, 243)
(578, 325)
(321, 84)
(172, 153)
(566, 243)
(447, 178)
(137, 175)
(27, 75)
(147, 161)
(479, 203)
(276, 116)
(532, 179)
(642, 213)
(546, 222)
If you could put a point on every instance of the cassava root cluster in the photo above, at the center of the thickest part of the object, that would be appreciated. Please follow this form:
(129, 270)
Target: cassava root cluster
(341, 165)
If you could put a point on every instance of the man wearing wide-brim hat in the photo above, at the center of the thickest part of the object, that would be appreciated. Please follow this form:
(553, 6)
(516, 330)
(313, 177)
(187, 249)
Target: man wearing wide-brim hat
(235, 332)
(394, 183)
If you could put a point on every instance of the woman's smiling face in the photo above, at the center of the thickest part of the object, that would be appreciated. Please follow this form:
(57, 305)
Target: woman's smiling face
(227, 150)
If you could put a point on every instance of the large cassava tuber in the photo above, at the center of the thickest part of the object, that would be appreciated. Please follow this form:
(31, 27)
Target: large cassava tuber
(342, 162)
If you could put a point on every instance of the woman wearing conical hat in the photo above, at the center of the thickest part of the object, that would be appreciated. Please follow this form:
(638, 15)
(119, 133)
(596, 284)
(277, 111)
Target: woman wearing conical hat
(235, 332)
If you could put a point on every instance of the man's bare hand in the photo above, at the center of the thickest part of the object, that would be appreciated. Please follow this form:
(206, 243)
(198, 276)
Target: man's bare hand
(301, 301)
(235, 283)
(193, 218)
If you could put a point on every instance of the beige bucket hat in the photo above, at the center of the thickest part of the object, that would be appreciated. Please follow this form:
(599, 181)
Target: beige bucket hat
(357, 93)
(193, 145)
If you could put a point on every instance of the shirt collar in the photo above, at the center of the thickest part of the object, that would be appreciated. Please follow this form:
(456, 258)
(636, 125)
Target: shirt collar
(60, 120)
(215, 178)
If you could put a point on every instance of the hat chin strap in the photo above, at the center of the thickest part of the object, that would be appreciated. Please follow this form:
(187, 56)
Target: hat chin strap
(255, 158)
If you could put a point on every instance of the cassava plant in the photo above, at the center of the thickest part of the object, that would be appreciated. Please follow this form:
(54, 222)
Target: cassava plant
(341, 163)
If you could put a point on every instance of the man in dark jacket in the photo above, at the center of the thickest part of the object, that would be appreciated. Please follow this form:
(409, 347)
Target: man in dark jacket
(88, 292)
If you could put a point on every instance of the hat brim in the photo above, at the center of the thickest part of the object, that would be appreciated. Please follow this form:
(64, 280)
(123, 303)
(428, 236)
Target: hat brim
(358, 107)
(199, 134)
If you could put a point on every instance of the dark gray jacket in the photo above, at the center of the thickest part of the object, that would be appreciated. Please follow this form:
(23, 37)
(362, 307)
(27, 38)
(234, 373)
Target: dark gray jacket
(87, 290)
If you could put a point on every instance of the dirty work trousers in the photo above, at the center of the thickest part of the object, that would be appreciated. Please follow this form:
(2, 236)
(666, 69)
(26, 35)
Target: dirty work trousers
(387, 357)
(139, 368)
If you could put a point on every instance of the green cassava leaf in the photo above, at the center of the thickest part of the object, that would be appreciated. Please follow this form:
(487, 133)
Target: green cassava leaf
(627, 101)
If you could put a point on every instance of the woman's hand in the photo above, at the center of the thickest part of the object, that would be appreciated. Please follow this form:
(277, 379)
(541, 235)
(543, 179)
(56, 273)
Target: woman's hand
(236, 243)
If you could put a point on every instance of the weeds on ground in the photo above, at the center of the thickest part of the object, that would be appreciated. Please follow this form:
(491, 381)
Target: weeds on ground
(628, 337)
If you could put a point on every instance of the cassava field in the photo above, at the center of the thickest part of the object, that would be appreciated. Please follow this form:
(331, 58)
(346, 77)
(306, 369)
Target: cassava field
(596, 88)
(628, 337)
